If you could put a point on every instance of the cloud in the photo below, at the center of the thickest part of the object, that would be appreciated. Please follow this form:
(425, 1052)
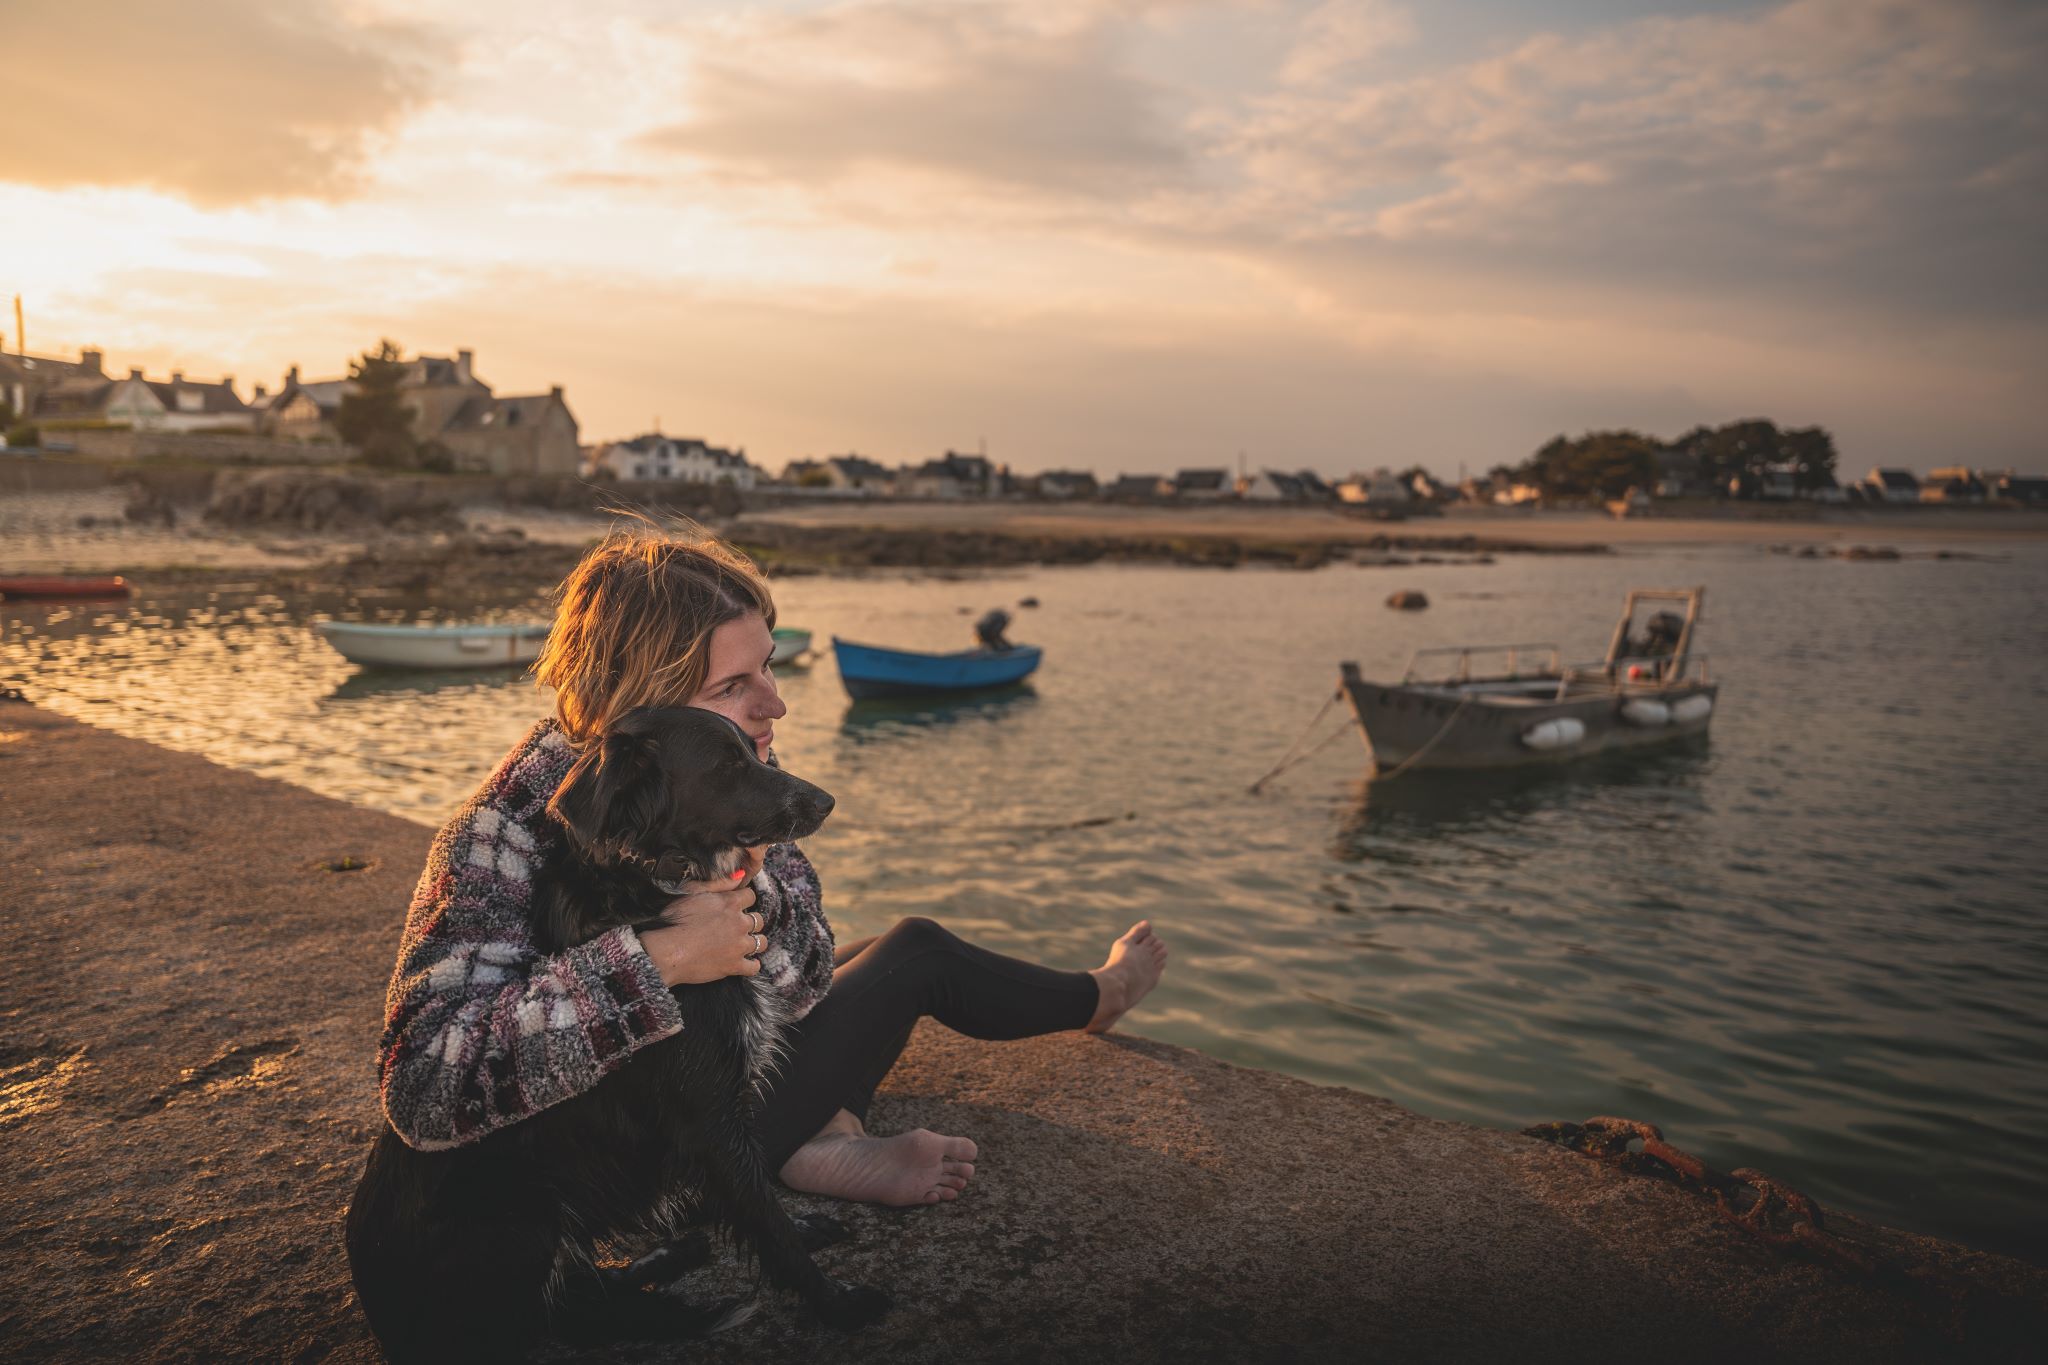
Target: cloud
(1005, 97)
(234, 101)
(1338, 35)
(1862, 149)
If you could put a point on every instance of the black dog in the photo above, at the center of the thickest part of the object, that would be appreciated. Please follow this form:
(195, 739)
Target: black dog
(479, 1251)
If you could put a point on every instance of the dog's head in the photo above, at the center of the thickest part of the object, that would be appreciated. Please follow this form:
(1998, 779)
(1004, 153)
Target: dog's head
(679, 791)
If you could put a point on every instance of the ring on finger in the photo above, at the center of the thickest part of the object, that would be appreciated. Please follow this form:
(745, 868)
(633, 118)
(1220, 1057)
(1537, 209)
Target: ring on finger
(760, 944)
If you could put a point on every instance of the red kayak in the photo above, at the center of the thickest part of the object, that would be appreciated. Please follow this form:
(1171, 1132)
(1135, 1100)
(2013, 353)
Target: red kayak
(64, 585)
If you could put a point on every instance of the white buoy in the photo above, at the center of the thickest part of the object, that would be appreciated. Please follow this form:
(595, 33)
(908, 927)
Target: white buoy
(1554, 734)
(1696, 707)
(1645, 711)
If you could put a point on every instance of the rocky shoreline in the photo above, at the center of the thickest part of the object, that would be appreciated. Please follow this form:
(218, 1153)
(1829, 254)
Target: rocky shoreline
(187, 1089)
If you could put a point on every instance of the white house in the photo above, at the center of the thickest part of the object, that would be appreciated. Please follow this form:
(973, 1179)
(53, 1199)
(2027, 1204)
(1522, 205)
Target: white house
(1892, 485)
(655, 458)
(1379, 487)
(1269, 485)
(179, 405)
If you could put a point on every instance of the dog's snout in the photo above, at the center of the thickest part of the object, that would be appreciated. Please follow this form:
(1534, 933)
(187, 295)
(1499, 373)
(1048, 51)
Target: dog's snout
(822, 802)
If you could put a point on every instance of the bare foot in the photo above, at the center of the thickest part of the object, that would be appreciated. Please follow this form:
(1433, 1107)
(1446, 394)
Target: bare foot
(1135, 964)
(917, 1167)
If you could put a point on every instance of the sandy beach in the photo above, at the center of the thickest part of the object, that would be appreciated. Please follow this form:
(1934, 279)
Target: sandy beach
(1536, 529)
(85, 530)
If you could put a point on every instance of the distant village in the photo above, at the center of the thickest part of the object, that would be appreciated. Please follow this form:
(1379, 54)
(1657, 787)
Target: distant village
(76, 407)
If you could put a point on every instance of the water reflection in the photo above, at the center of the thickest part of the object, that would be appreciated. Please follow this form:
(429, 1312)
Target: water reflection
(377, 684)
(880, 717)
(1426, 802)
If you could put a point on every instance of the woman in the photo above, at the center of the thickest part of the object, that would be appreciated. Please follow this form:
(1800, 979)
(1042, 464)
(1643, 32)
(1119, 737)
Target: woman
(482, 1029)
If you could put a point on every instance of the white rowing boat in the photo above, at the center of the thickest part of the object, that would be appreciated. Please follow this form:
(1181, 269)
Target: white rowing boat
(434, 646)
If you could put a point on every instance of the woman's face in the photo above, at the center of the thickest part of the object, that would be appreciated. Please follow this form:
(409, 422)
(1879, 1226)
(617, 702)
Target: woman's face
(738, 684)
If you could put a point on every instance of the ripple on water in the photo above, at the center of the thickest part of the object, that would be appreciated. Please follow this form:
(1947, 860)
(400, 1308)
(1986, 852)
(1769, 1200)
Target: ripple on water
(1812, 944)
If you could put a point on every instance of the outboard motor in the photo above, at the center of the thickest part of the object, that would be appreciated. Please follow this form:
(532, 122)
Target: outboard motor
(988, 631)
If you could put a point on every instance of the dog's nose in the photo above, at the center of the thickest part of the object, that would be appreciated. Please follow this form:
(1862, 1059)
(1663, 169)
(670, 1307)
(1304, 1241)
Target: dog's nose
(825, 803)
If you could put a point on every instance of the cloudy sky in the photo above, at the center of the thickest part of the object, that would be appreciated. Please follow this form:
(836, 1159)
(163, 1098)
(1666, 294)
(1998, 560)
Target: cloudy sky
(1120, 234)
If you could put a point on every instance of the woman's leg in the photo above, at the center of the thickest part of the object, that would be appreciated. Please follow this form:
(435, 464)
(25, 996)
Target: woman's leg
(817, 1101)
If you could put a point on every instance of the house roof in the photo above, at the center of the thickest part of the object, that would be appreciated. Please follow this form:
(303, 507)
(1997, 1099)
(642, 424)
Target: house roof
(41, 369)
(216, 398)
(1290, 485)
(1135, 483)
(858, 467)
(77, 394)
(1895, 478)
(502, 413)
(1200, 480)
(325, 393)
(1068, 476)
(1312, 483)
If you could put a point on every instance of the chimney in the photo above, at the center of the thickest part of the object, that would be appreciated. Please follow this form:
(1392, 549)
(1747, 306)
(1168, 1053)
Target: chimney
(465, 362)
(90, 360)
(555, 391)
(260, 393)
(291, 376)
(177, 376)
(135, 372)
(227, 381)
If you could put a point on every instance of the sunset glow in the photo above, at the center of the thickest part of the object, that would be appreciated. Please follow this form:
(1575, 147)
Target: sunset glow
(1116, 235)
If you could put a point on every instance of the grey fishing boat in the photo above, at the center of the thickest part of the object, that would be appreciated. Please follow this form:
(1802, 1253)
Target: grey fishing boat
(1650, 689)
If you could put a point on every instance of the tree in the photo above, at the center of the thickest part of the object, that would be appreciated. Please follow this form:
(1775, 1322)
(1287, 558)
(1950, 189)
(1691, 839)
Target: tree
(1812, 453)
(1602, 463)
(373, 416)
(1737, 454)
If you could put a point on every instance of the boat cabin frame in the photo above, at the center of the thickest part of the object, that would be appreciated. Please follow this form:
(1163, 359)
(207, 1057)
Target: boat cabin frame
(1551, 679)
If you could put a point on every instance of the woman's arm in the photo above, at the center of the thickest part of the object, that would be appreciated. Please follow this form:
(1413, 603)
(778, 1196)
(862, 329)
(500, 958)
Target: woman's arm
(798, 960)
(481, 1028)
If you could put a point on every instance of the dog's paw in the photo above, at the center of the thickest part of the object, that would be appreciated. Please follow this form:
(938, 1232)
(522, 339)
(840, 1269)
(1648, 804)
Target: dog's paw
(819, 1232)
(850, 1306)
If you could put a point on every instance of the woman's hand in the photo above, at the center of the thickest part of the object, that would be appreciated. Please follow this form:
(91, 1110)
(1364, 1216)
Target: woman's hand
(711, 931)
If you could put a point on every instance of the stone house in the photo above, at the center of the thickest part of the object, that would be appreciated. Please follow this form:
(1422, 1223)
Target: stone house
(25, 380)
(300, 410)
(453, 412)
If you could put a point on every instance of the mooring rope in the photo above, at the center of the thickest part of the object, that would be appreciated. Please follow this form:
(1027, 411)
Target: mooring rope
(1290, 759)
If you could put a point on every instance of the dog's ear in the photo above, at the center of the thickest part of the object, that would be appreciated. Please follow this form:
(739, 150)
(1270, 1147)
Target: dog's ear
(613, 797)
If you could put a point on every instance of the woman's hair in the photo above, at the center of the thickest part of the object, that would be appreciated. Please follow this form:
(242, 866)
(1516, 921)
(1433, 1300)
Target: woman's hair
(634, 627)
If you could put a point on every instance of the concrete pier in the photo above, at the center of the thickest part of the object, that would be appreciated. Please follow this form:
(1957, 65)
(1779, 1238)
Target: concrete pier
(191, 1000)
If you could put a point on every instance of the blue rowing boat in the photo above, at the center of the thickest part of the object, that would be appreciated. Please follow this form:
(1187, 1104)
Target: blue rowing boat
(869, 671)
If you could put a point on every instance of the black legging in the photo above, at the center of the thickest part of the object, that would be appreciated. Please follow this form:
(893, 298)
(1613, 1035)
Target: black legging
(881, 987)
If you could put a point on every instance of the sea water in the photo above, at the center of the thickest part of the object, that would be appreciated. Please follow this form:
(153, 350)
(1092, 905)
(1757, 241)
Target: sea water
(1814, 944)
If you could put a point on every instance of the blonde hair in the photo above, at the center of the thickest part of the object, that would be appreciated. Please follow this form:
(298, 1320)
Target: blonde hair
(635, 621)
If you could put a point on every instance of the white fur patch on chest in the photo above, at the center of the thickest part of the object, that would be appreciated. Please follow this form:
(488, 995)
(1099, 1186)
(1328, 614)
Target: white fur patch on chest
(761, 1029)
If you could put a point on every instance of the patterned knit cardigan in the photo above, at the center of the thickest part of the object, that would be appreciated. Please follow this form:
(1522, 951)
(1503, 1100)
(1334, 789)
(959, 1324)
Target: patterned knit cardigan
(481, 1029)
